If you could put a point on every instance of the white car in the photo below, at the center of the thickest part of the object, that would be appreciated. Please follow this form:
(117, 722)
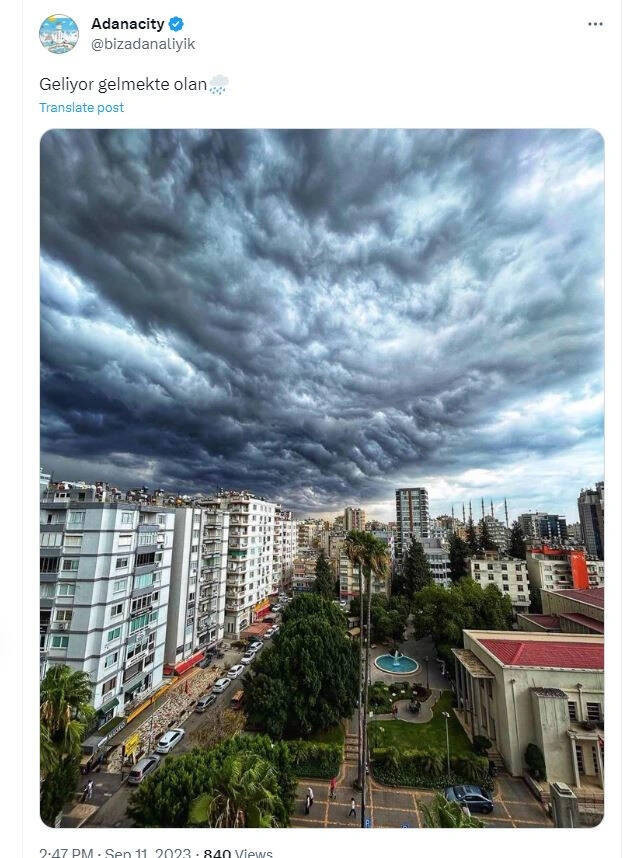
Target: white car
(255, 646)
(268, 634)
(248, 658)
(221, 684)
(169, 740)
(235, 671)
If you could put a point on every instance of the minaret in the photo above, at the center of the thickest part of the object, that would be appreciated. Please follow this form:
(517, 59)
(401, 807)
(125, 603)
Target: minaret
(482, 501)
(506, 512)
(492, 516)
(464, 518)
(470, 512)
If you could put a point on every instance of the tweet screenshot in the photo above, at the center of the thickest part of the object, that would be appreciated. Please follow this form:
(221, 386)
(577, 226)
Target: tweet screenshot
(320, 367)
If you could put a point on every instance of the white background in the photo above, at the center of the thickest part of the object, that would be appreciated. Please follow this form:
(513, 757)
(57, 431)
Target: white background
(456, 63)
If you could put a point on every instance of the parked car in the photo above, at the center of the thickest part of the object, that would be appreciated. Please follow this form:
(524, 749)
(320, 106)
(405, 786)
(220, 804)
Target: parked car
(255, 646)
(276, 608)
(207, 660)
(268, 634)
(249, 657)
(474, 798)
(221, 684)
(205, 702)
(235, 671)
(237, 699)
(169, 740)
(143, 768)
(343, 604)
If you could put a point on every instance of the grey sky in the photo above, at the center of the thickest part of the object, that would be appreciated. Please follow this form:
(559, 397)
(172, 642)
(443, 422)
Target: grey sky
(322, 316)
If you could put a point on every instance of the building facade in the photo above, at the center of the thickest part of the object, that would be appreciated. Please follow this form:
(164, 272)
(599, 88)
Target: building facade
(104, 589)
(498, 531)
(412, 519)
(590, 505)
(508, 574)
(543, 526)
(284, 550)
(349, 580)
(562, 568)
(519, 688)
(438, 557)
(353, 518)
(574, 611)
(198, 584)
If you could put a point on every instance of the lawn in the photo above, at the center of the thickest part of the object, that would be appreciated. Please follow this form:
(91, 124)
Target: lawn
(405, 736)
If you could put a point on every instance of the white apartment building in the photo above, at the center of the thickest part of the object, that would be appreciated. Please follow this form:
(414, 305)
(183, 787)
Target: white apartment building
(438, 557)
(349, 579)
(412, 518)
(250, 562)
(546, 689)
(284, 549)
(563, 568)
(104, 589)
(198, 583)
(354, 518)
(508, 574)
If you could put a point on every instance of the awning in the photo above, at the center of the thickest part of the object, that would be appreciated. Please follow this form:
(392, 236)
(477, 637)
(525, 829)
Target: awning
(109, 705)
(190, 662)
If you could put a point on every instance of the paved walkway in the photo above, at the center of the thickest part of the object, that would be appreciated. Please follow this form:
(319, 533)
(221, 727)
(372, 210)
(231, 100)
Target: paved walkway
(403, 714)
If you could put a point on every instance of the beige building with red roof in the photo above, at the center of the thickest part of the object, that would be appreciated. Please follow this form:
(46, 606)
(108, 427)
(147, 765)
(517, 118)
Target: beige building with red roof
(574, 611)
(543, 688)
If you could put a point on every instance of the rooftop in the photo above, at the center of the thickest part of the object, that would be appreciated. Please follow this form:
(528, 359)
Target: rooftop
(544, 621)
(582, 620)
(591, 596)
(571, 654)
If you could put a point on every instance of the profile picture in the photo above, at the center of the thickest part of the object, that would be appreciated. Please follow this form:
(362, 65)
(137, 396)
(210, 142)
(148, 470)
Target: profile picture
(59, 34)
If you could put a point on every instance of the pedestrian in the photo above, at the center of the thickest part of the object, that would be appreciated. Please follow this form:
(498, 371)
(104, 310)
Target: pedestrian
(333, 784)
(311, 795)
(394, 711)
(84, 794)
(353, 808)
(307, 806)
(89, 787)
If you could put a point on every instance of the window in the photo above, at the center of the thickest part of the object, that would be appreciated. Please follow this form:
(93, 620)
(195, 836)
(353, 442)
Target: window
(141, 581)
(147, 538)
(63, 616)
(76, 518)
(145, 559)
(66, 589)
(59, 641)
(127, 519)
(504, 566)
(125, 540)
(139, 623)
(111, 659)
(518, 578)
(520, 588)
(47, 591)
(594, 711)
(116, 610)
(70, 565)
(109, 685)
(505, 577)
(120, 586)
(122, 562)
(490, 576)
(50, 539)
(505, 587)
(489, 565)
(113, 634)
(49, 564)
(579, 756)
(160, 519)
(73, 542)
(572, 710)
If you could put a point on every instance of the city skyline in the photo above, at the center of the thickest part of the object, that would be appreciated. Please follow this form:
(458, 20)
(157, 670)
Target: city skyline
(323, 317)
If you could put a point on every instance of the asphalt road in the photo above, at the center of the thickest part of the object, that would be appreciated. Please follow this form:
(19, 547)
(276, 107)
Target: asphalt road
(112, 814)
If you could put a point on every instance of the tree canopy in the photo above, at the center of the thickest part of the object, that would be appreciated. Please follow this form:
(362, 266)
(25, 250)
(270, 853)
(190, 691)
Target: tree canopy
(458, 553)
(517, 547)
(486, 543)
(416, 572)
(324, 583)
(173, 796)
(388, 617)
(307, 680)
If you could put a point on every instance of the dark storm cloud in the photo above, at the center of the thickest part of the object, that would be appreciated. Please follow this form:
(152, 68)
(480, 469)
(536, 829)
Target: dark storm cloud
(320, 315)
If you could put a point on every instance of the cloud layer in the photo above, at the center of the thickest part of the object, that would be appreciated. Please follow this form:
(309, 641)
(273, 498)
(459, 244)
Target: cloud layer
(320, 316)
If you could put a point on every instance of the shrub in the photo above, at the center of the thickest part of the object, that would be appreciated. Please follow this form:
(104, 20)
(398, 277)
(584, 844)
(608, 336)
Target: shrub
(426, 769)
(314, 760)
(535, 762)
(481, 745)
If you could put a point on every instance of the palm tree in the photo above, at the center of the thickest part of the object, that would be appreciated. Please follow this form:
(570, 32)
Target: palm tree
(375, 561)
(65, 707)
(48, 752)
(354, 548)
(440, 813)
(245, 794)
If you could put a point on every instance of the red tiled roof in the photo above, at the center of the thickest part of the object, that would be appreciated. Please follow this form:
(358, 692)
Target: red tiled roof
(551, 653)
(592, 596)
(546, 621)
(588, 622)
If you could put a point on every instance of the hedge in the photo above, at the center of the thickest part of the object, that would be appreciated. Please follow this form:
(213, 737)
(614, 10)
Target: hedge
(426, 770)
(315, 760)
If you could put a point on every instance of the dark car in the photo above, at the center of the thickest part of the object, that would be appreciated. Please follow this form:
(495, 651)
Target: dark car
(475, 799)
(142, 769)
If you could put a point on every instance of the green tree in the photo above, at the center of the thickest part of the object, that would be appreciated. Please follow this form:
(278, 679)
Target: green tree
(440, 813)
(473, 543)
(324, 584)
(535, 595)
(458, 554)
(416, 570)
(245, 794)
(517, 547)
(165, 799)
(486, 543)
(310, 605)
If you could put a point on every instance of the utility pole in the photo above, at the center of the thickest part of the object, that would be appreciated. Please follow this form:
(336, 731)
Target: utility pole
(446, 716)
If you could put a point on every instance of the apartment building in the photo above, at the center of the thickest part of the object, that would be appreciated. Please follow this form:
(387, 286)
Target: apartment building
(104, 591)
(499, 533)
(349, 579)
(353, 518)
(560, 568)
(284, 550)
(544, 526)
(412, 519)
(508, 574)
(590, 504)
(438, 557)
(518, 688)
(196, 609)
(304, 571)
(250, 561)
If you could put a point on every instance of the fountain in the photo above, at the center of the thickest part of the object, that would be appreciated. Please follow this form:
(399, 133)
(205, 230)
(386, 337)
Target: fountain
(397, 663)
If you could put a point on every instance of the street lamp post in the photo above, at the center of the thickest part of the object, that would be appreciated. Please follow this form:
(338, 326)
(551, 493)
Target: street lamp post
(446, 715)
(427, 671)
